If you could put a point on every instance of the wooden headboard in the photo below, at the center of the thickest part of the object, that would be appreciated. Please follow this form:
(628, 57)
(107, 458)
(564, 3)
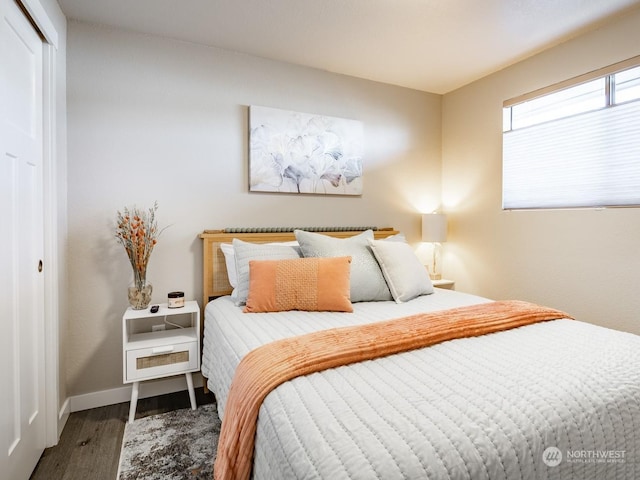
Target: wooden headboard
(214, 269)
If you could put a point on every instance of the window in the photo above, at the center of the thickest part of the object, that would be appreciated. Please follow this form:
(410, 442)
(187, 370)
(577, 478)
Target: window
(627, 85)
(576, 144)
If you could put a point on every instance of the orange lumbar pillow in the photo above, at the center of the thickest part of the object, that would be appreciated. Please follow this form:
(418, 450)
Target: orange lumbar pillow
(310, 284)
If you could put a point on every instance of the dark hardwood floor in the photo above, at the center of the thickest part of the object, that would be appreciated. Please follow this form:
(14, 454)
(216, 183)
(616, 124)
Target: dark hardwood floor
(89, 448)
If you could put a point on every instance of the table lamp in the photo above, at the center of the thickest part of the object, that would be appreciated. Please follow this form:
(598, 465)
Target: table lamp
(434, 230)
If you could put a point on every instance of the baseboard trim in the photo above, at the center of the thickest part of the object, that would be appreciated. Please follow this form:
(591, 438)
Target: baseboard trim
(149, 388)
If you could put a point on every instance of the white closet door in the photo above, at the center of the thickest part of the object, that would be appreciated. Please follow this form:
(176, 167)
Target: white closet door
(22, 386)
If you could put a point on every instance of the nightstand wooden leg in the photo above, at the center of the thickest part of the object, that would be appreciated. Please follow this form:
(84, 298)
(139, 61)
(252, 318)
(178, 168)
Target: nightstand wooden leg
(134, 401)
(192, 392)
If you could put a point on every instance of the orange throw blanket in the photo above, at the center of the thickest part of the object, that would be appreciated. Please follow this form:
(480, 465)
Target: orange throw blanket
(268, 366)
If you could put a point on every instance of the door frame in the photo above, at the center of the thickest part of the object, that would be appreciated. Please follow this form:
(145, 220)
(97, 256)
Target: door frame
(55, 418)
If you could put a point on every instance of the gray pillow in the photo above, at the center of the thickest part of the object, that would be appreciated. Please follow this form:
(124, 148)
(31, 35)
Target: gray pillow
(366, 280)
(245, 252)
(406, 277)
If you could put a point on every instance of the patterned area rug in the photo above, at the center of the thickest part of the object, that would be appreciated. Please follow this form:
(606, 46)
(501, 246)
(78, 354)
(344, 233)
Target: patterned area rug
(171, 446)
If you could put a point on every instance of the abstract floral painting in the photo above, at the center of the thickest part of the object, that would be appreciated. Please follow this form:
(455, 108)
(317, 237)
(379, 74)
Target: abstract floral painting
(296, 152)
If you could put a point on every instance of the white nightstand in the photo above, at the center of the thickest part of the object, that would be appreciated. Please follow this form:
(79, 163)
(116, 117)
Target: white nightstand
(444, 283)
(152, 348)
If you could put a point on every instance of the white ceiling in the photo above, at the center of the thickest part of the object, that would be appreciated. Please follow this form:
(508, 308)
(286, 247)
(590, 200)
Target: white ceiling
(431, 45)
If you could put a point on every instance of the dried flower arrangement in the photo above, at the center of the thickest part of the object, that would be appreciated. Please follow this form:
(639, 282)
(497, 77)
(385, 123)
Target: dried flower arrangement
(137, 231)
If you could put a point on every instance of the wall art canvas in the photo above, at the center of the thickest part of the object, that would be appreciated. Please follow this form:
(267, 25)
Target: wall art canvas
(294, 152)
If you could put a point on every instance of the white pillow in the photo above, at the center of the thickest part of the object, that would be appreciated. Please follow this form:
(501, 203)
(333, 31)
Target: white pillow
(366, 281)
(406, 277)
(246, 251)
(230, 259)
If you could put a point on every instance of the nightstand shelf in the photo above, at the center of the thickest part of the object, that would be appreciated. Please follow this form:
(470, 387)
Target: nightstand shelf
(163, 337)
(158, 345)
(444, 283)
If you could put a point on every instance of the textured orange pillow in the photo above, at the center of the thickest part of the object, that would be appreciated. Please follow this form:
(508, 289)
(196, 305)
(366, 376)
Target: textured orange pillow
(310, 284)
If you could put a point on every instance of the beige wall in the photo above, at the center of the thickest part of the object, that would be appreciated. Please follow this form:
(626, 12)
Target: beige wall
(584, 261)
(156, 119)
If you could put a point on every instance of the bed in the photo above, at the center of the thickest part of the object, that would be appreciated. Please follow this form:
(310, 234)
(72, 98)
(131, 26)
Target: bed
(558, 399)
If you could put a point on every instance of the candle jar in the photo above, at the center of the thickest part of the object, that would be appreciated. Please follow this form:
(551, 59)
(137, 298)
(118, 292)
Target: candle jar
(176, 299)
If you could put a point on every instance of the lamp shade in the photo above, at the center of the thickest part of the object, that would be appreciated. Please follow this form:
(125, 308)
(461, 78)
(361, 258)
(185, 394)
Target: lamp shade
(434, 227)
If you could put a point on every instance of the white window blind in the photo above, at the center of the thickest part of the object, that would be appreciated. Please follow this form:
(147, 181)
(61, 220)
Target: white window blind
(586, 160)
(575, 147)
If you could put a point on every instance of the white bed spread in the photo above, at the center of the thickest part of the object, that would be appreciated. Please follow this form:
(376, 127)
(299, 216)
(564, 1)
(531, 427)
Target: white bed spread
(476, 408)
